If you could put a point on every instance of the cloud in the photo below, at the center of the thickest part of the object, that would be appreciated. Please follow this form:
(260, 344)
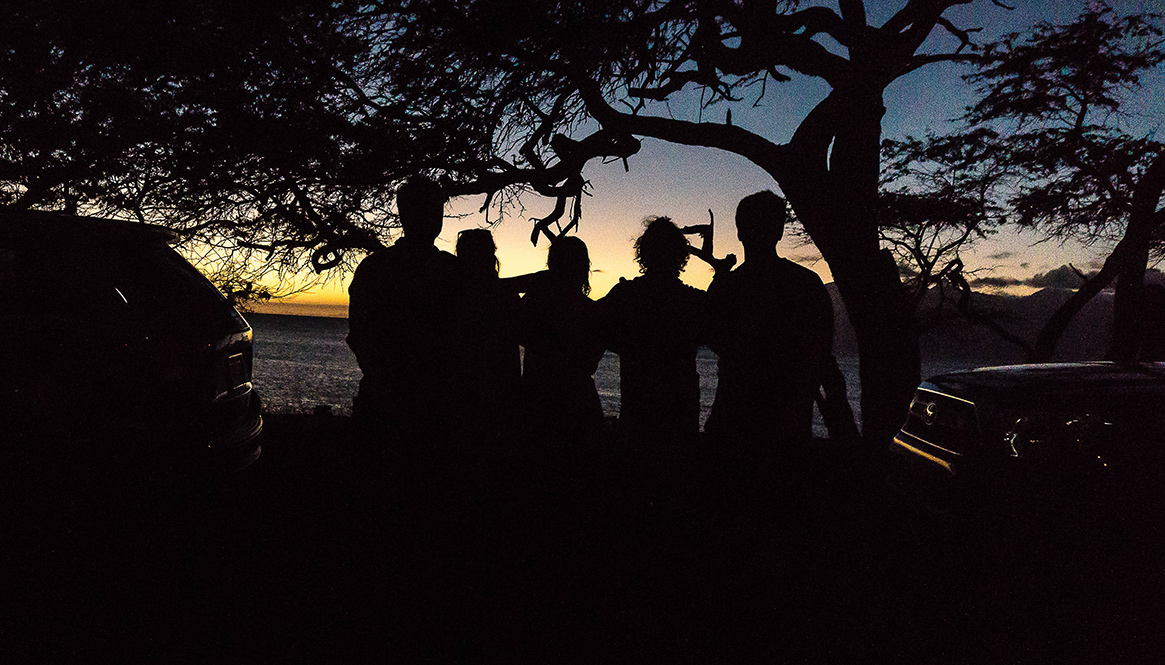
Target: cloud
(998, 282)
(1064, 277)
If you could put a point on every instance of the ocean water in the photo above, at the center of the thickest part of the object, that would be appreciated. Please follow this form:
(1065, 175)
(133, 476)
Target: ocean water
(302, 363)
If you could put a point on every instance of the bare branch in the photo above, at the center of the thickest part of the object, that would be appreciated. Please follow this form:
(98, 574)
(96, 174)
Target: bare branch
(964, 35)
(920, 61)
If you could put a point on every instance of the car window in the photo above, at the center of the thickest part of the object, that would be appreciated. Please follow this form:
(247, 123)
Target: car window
(39, 282)
(146, 287)
(162, 285)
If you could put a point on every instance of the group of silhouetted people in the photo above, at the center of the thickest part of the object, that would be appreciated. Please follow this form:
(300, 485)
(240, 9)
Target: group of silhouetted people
(439, 338)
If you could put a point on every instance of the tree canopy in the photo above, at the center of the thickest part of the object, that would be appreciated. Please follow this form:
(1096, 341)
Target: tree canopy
(938, 197)
(244, 127)
(284, 128)
(1065, 157)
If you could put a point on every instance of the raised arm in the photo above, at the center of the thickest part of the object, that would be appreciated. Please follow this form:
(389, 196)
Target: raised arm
(523, 283)
(705, 251)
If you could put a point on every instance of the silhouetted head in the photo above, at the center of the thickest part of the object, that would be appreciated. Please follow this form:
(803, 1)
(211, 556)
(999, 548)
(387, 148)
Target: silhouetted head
(476, 251)
(570, 264)
(760, 221)
(662, 249)
(421, 206)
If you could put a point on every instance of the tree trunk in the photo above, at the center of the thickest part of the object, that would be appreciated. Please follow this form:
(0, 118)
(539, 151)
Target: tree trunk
(1127, 261)
(1056, 325)
(887, 337)
(832, 183)
(1128, 302)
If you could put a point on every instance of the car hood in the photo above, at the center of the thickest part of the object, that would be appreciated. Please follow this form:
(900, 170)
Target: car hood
(1050, 378)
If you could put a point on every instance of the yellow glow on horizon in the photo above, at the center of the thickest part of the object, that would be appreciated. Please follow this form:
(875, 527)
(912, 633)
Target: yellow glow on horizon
(611, 250)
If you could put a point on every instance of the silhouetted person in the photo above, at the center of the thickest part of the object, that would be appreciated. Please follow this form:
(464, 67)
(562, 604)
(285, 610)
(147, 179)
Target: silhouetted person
(562, 347)
(401, 322)
(489, 335)
(771, 323)
(655, 323)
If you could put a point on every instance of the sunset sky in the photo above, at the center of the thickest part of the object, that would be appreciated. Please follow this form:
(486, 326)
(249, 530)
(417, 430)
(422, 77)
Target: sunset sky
(684, 183)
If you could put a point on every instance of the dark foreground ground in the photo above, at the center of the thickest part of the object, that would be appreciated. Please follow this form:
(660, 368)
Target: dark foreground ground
(326, 551)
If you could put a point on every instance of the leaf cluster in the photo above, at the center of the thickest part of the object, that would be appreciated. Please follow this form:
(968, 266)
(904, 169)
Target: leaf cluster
(938, 196)
(243, 127)
(1056, 98)
(280, 129)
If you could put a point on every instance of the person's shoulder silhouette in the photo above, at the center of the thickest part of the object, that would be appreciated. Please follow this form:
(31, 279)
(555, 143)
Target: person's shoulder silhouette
(661, 251)
(771, 323)
(655, 323)
(402, 308)
(558, 326)
(489, 334)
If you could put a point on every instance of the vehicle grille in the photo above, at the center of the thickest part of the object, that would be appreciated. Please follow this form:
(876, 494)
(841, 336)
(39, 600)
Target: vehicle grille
(943, 421)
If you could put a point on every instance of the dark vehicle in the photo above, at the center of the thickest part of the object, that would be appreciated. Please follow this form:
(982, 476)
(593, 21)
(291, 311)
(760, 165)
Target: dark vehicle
(115, 350)
(1037, 439)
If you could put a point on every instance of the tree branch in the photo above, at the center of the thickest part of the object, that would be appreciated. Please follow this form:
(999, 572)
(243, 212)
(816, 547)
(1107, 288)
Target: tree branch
(920, 61)
(759, 150)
